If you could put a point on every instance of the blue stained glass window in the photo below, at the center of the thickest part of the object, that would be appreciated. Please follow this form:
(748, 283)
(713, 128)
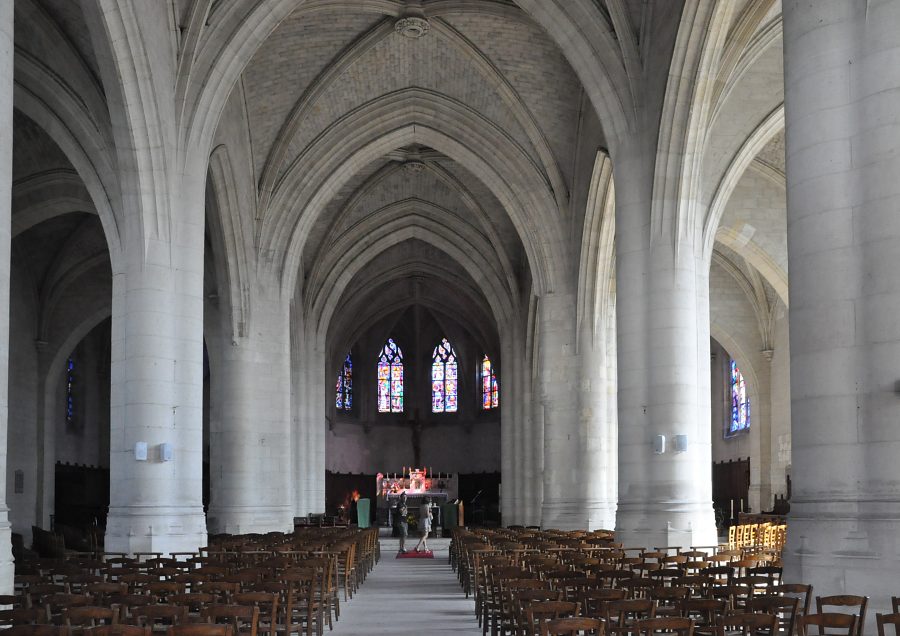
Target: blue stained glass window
(490, 392)
(390, 378)
(344, 389)
(70, 393)
(740, 403)
(444, 381)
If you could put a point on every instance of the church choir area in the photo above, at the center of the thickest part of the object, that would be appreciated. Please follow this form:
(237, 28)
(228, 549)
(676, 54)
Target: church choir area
(612, 284)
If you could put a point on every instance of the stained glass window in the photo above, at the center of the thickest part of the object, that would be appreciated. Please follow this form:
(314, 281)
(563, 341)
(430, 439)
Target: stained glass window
(70, 393)
(390, 378)
(740, 403)
(344, 389)
(443, 379)
(490, 393)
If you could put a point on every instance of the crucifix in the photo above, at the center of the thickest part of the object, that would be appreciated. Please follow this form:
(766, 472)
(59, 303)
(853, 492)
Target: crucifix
(417, 438)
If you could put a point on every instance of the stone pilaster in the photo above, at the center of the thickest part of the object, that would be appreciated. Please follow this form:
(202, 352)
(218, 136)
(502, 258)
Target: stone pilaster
(6, 115)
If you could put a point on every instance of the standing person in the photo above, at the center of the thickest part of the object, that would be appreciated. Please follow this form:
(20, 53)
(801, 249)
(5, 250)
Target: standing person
(400, 522)
(424, 524)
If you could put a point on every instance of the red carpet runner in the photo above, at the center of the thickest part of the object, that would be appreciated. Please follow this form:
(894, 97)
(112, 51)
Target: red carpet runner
(425, 554)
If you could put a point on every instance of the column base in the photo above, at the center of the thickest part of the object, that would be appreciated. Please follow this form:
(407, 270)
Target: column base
(564, 515)
(133, 529)
(845, 548)
(250, 519)
(601, 515)
(658, 524)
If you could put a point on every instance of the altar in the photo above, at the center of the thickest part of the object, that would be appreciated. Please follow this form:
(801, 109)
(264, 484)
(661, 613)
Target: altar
(419, 485)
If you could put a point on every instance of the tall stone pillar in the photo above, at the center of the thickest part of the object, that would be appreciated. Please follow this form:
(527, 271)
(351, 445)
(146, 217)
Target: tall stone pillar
(156, 396)
(251, 482)
(6, 127)
(510, 439)
(310, 432)
(564, 504)
(599, 450)
(842, 112)
(662, 289)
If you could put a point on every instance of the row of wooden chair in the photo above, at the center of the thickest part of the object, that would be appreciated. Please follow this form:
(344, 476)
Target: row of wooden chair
(276, 583)
(514, 576)
(757, 536)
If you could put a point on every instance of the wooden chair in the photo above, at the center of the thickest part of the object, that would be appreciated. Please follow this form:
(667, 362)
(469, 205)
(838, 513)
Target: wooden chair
(593, 601)
(704, 611)
(622, 615)
(162, 590)
(196, 629)
(845, 600)
(56, 603)
(158, 617)
(77, 619)
(267, 604)
(513, 592)
(801, 591)
(830, 623)
(117, 630)
(194, 602)
(244, 619)
(127, 603)
(882, 620)
(573, 627)
(521, 600)
(745, 624)
(668, 600)
(536, 614)
(23, 616)
(36, 630)
(784, 607)
(668, 625)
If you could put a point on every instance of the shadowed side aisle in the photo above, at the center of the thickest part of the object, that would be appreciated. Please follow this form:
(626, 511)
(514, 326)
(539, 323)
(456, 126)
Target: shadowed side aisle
(409, 596)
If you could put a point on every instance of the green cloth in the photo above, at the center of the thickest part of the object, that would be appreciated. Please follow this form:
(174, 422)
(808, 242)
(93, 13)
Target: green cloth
(362, 513)
(450, 515)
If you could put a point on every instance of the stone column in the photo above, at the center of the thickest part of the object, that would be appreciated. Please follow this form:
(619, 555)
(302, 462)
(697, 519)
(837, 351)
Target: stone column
(251, 482)
(157, 387)
(598, 451)
(564, 504)
(662, 289)
(6, 117)
(842, 112)
(309, 457)
(510, 437)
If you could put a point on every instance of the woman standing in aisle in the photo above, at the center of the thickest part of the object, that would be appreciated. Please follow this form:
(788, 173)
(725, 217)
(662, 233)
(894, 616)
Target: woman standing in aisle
(424, 524)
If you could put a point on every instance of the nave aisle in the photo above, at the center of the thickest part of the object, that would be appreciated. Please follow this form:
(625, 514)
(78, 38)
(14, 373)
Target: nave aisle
(409, 597)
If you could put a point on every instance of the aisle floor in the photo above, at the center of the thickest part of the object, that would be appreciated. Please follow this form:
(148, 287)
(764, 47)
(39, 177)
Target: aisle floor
(409, 597)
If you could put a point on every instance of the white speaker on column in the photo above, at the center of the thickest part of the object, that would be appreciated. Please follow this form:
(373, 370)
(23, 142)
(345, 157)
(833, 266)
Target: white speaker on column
(659, 444)
(679, 443)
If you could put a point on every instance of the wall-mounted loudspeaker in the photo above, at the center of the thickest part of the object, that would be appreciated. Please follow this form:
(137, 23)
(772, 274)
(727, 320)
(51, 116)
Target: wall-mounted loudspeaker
(659, 444)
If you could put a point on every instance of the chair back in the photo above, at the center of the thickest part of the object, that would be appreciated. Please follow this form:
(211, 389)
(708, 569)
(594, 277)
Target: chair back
(828, 623)
(883, 620)
(848, 601)
(573, 627)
